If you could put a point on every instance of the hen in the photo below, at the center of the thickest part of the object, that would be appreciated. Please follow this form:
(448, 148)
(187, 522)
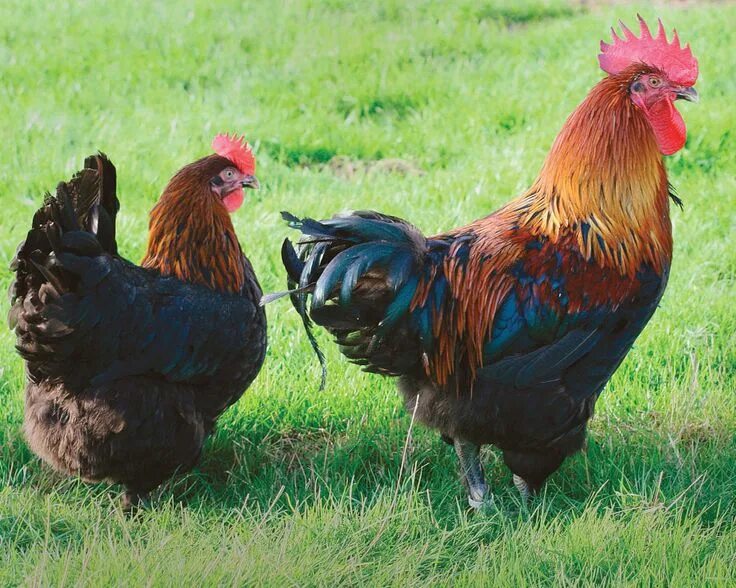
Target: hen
(505, 331)
(129, 367)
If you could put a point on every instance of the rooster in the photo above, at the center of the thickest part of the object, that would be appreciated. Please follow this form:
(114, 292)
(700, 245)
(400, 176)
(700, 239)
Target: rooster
(129, 367)
(505, 331)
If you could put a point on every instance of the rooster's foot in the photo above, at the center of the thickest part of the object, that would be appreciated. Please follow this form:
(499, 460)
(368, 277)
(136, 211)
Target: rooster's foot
(471, 471)
(523, 488)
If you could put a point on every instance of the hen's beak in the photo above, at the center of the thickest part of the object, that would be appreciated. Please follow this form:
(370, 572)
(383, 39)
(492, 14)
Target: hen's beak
(250, 182)
(689, 94)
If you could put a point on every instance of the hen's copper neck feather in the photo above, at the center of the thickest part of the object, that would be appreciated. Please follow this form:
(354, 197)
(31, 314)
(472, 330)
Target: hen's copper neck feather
(605, 180)
(191, 235)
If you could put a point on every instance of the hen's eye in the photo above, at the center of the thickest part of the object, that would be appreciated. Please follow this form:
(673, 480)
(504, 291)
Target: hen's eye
(229, 174)
(654, 82)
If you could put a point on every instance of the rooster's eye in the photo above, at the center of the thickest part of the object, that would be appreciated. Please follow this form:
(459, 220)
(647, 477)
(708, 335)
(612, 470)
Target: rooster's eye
(654, 82)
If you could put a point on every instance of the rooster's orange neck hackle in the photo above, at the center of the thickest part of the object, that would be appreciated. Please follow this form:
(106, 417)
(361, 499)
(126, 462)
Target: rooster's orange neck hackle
(604, 180)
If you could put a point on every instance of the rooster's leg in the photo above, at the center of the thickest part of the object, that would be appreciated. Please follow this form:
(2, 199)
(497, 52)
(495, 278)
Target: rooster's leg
(472, 473)
(522, 487)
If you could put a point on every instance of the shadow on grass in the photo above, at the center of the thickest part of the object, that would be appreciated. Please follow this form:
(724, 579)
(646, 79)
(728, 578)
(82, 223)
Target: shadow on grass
(280, 470)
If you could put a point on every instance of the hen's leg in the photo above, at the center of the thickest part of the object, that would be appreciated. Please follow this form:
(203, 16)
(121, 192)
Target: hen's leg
(472, 473)
(132, 499)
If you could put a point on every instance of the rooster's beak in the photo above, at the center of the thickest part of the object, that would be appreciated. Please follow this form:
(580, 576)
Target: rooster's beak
(689, 94)
(250, 182)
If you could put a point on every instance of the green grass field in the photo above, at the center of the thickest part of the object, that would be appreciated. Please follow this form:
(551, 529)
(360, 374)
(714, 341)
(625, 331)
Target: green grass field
(299, 487)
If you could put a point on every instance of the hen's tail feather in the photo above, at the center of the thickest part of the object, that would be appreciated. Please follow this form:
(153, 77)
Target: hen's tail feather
(79, 218)
(108, 204)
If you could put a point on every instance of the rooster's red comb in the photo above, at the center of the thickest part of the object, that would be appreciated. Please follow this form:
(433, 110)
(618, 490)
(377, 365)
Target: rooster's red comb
(236, 150)
(676, 62)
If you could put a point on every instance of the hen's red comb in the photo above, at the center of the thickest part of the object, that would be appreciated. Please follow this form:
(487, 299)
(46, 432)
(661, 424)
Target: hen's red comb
(236, 150)
(676, 62)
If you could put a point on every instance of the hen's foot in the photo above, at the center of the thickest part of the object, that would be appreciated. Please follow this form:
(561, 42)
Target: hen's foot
(133, 500)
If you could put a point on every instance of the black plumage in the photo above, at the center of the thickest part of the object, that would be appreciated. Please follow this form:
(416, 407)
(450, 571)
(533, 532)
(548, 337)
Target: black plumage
(127, 369)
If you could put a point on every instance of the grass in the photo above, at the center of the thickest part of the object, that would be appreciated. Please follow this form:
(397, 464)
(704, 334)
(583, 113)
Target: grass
(299, 487)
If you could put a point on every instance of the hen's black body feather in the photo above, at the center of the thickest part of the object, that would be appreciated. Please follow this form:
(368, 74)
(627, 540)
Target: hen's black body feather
(127, 369)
